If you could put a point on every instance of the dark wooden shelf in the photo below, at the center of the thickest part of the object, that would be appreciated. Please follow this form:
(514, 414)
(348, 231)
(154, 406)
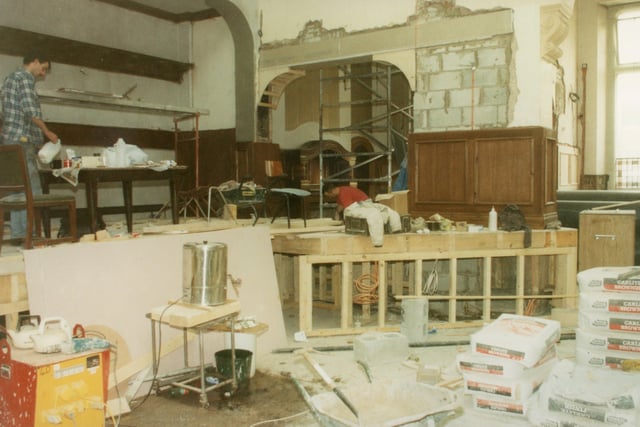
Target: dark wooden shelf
(16, 42)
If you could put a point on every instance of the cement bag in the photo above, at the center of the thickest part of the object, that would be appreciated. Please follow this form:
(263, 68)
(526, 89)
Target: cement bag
(616, 360)
(609, 279)
(613, 302)
(522, 339)
(517, 389)
(473, 363)
(591, 395)
(604, 322)
(501, 406)
(593, 341)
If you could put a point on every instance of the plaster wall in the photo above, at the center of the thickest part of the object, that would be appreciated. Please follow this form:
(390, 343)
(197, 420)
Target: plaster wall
(519, 88)
(214, 74)
(106, 25)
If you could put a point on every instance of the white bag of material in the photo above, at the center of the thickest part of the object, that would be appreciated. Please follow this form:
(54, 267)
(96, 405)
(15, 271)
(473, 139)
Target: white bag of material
(608, 279)
(594, 341)
(616, 360)
(473, 363)
(523, 339)
(123, 155)
(596, 395)
(517, 389)
(501, 406)
(604, 322)
(616, 302)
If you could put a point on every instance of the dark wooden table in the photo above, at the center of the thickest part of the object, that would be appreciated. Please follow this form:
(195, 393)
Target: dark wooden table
(91, 177)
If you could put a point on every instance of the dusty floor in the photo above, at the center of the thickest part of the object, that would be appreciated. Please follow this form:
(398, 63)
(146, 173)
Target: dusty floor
(272, 397)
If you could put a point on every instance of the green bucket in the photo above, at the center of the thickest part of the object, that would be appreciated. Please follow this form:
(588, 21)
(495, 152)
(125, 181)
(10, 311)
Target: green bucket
(243, 364)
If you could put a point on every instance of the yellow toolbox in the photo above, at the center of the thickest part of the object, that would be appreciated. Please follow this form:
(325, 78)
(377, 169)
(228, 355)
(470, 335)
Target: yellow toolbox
(53, 389)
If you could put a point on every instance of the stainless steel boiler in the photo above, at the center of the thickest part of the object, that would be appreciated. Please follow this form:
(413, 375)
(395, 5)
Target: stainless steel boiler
(204, 273)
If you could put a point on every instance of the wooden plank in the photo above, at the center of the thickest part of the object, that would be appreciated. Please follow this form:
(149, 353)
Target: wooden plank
(382, 293)
(486, 289)
(305, 293)
(181, 315)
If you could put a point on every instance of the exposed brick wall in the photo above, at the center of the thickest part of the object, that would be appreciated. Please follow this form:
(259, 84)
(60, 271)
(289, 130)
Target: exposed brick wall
(464, 85)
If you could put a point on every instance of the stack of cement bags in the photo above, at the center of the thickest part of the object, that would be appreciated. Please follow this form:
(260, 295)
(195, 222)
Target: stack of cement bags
(608, 333)
(508, 361)
(595, 391)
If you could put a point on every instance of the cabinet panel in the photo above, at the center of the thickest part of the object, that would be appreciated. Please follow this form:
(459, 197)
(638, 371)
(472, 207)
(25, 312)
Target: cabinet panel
(462, 174)
(447, 181)
(505, 161)
(606, 238)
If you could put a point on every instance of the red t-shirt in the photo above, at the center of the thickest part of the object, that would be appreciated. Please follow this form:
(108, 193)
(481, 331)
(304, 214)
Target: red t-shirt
(348, 195)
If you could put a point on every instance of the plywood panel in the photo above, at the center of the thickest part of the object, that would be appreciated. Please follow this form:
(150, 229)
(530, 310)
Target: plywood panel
(117, 283)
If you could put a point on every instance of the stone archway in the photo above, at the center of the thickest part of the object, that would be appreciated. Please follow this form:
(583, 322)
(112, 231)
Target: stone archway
(243, 41)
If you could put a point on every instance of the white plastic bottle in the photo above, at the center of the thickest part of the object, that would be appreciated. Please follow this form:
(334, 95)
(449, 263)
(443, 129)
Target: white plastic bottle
(493, 220)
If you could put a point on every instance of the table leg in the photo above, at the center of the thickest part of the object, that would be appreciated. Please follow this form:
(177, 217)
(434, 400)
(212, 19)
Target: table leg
(154, 367)
(127, 194)
(174, 199)
(91, 191)
(234, 382)
(204, 401)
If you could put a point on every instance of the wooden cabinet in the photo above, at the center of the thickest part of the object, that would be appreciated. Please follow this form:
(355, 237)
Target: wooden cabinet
(606, 238)
(462, 174)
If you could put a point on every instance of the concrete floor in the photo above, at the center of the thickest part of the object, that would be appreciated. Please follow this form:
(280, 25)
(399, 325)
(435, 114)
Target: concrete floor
(276, 373)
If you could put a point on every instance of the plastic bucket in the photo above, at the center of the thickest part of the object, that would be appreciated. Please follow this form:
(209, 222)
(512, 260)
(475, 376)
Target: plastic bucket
(243, 364)
(244, 342)
(415, 319)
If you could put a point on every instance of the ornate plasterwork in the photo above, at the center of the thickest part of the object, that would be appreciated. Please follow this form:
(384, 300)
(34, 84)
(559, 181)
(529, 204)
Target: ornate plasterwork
(554, 27)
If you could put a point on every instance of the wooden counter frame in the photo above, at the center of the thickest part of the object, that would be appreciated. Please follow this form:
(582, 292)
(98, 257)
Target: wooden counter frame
(307, 250)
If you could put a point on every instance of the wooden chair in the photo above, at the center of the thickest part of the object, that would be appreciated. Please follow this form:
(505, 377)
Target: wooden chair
(275, 174)
(14, 178)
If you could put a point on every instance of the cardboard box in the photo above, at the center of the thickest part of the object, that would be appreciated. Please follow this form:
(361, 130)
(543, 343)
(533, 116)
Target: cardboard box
(396, 200)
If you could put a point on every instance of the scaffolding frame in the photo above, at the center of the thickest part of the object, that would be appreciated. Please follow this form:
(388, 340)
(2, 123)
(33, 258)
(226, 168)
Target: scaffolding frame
(378, 128)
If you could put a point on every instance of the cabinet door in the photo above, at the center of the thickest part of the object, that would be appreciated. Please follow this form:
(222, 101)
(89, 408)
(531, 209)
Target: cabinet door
(606, 239)
(443, 171)
(505, 171)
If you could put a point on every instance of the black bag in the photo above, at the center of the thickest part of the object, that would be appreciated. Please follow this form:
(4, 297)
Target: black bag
(512, 219)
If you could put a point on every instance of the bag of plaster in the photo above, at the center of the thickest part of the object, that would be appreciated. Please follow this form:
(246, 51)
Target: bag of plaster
(591, 395)
(524, 339)
(610, 279)
(473, 363)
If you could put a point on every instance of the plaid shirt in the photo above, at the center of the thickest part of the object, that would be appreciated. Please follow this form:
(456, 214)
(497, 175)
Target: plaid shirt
(19, 104)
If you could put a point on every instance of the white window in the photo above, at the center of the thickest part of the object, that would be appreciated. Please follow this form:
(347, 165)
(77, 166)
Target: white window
(626, 70)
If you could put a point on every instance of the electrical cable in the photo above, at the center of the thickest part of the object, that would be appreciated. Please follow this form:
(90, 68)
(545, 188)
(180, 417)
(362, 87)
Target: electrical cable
(366, 285)
(156, 368)
(430, 284)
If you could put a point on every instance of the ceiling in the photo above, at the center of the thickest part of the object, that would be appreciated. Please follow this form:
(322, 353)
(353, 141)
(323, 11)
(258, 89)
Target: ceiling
(170, 10)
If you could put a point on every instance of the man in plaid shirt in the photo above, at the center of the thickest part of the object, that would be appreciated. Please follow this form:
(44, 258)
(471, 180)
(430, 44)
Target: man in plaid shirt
(23, 123)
